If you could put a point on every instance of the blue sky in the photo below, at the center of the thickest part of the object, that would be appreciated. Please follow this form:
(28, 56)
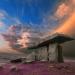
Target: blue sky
(19, 18)
(26, 12)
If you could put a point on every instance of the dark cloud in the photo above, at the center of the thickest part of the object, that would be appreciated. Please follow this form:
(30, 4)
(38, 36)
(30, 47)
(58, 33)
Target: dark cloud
(21, 37)
(12, 35)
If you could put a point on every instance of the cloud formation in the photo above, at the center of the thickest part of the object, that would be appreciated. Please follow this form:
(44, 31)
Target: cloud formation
(62, 10)
(1, 24)
(12, 34)
(24, 40)
(62, 20)
(19, 37)
(68, 27)
(4, 46)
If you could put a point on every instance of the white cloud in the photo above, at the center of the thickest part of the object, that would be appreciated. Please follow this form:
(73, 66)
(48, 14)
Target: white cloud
(24, 39)
(62, 10)
(3, 14)
(1, 24)
(16, 20)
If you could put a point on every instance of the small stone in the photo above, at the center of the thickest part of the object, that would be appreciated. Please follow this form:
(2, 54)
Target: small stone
(13, 68)
(1, 67)
(51, 66)
(66, 67)
(59, 67)
(68, 70)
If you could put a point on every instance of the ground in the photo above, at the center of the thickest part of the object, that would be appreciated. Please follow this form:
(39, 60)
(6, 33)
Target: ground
(38, 68)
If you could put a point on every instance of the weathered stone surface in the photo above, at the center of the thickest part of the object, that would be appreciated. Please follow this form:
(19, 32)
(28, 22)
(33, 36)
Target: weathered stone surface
(53, 52)
(42, 53)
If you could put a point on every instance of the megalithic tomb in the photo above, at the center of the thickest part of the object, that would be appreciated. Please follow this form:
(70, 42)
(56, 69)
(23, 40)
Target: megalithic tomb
(53, 46)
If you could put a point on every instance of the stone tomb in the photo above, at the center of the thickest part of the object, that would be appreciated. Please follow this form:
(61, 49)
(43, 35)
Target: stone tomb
(49, 49)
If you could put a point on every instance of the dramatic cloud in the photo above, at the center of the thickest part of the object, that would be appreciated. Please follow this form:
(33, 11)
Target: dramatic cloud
(19, 37)
(12, 34)
(62, 20)
(68, 26)
(4, 46)
(62, 10)
(24, 40)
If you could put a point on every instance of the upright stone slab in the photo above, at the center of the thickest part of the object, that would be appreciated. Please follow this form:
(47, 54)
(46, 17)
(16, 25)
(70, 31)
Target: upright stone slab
(30, 57)
(53, 52)
(42, 54)
(60, 53)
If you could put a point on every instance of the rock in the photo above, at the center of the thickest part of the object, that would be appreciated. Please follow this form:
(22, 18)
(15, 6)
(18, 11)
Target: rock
(16, 60)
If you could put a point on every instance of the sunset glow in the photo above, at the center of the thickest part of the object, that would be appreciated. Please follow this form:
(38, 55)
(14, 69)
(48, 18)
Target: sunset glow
(68, 26)
(24, 40)
(21, 20)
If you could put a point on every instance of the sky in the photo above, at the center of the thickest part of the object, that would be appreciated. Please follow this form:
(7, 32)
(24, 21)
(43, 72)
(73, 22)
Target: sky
(22, 22)
(26, 12)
